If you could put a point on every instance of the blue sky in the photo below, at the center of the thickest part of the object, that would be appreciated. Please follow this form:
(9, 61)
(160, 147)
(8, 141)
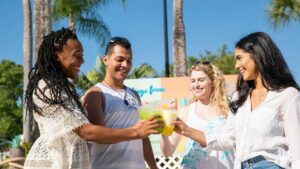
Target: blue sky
(209, 24)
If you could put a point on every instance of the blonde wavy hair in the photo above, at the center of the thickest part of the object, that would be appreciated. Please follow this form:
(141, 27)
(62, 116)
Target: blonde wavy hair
(218, 96)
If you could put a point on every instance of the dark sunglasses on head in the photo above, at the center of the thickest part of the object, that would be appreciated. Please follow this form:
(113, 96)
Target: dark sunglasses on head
(203, 62)
(120, 39)
(117, 39)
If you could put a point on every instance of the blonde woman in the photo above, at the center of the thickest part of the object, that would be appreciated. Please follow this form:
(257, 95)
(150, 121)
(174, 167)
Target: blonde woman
(207, 112)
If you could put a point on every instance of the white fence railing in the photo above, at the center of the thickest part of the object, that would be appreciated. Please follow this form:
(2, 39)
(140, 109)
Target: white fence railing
(172, 162)
(162, 162)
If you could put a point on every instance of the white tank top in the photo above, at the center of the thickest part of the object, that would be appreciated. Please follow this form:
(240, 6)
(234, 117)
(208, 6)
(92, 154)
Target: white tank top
(197, 157)
(126, 154)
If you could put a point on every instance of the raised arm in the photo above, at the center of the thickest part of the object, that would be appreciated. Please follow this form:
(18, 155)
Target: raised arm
(183, 129)
(224, 140)
(168, 144)
(93, 102)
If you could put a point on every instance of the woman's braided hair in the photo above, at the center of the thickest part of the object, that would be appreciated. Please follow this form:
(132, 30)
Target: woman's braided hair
(48, 69)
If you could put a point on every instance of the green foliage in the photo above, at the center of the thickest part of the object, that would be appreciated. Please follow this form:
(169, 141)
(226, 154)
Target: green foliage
(224, 60)
(97, 74)
(26, 146)
(14, 143)
(11, 89)
(171, 71)
(82, 83)
(281, 12)
(143, 71)
(191, 60)
(93, 76)
(84, 14)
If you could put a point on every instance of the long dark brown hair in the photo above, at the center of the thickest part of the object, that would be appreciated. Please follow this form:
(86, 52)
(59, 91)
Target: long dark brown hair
(269, 61)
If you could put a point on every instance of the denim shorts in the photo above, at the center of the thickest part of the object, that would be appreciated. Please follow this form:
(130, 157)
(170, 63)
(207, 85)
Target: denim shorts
(259, 162)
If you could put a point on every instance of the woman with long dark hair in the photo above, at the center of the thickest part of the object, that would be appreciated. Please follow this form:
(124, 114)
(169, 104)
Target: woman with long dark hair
(265, 120)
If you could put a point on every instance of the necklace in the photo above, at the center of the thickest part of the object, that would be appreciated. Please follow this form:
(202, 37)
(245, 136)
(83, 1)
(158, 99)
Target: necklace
(119, 93)
(258, 96)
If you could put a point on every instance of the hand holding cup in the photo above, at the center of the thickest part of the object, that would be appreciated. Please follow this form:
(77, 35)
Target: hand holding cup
(148, 126)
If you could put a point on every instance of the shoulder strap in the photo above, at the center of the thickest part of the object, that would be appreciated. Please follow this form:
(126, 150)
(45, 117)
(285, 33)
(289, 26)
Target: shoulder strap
(135, 94)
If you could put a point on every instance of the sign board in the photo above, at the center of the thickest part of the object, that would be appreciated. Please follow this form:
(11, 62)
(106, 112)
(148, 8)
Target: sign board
(175, 90)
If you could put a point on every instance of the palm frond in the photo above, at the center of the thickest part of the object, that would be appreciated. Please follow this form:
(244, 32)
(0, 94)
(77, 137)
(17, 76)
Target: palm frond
(143, 71)
(83, 83)
(191, 60)
(97, 74)
(93, 27)
(62, 9)
(282, 12)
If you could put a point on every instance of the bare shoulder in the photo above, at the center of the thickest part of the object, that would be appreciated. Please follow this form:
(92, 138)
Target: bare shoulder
(92, 93)
(93, 89)
(93, 103)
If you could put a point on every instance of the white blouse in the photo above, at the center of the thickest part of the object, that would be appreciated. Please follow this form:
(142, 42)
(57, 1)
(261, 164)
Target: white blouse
(271, 129)
(58, 146)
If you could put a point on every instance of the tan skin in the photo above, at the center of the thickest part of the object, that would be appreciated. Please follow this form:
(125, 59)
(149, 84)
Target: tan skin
(118, 64)
(70, 60)
(246, 65)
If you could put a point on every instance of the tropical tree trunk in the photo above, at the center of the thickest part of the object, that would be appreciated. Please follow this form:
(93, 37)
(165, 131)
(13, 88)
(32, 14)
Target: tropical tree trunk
(179, 49)
(42, 23)
(27, 64)
(71, 22)
(42, 27)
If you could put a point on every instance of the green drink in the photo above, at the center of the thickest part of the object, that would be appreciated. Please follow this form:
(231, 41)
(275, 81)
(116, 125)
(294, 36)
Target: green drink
(146, 112)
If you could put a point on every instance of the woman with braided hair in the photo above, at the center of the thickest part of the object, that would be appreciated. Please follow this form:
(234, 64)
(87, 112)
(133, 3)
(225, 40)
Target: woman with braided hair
(207, 112)
(64, 128)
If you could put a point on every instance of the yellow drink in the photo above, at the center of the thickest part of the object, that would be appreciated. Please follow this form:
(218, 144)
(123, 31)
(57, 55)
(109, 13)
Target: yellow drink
(168, 116)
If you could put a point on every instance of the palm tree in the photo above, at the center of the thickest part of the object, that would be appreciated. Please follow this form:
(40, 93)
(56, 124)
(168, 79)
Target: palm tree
(42, 27)
(42, 22)
(143, 71)
(223, 59)
(27, 64)
(83, 17)
(93, 76)
(191, 60)
(179, 48)
(281, 12)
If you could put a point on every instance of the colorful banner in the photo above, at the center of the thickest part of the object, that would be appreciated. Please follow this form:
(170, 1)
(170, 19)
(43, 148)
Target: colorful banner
(172, 91)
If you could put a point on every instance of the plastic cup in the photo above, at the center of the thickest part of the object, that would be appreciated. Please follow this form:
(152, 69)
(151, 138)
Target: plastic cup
(147, 112)
(169, 116)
